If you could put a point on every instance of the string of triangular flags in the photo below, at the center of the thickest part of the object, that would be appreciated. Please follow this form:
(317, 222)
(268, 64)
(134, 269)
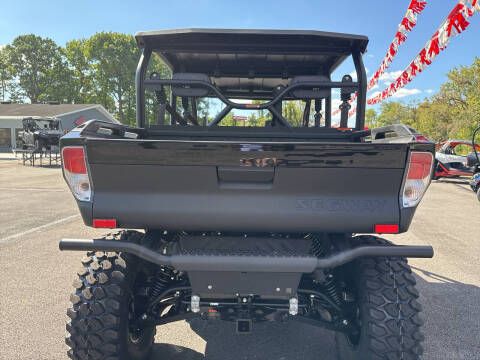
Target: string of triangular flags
(454, 24)
(406, 25)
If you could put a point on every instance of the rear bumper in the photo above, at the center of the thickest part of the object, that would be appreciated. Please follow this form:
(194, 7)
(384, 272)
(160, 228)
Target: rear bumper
(242, 263)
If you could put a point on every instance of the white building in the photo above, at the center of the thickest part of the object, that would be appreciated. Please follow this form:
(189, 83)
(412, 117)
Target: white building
(70, 116)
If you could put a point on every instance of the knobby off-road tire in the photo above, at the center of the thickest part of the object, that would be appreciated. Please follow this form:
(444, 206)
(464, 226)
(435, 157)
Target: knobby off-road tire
(478, 193)
(101, 307)
(388, 310)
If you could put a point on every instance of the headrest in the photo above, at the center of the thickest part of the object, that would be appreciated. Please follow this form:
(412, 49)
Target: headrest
(312, 92)
(187, 90)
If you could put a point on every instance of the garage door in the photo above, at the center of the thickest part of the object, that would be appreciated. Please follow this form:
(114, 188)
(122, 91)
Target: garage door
(5, 137)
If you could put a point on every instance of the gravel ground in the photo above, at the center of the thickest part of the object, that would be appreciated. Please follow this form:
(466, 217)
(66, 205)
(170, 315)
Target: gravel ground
(37, 210)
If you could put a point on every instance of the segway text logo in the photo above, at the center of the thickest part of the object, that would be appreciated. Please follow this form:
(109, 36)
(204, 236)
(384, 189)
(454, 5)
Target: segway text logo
(340, 205)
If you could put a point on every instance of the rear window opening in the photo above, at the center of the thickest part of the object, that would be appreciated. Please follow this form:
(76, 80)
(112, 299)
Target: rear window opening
(164, 108)
(258, 90)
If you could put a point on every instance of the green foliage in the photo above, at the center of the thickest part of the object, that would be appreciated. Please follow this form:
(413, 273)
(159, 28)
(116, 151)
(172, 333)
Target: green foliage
(453, 112)
(6, 76)
(82, 82)
(39, 67)
(394, 113)
(228, 120)
(371, 118)
(113, 58)
(254, 120)
(101, 69)
(293, 112)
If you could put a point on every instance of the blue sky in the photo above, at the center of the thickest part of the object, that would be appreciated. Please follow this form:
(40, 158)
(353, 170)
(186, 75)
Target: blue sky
(64, 20)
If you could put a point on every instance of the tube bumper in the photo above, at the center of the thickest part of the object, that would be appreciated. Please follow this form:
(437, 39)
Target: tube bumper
(276, 264)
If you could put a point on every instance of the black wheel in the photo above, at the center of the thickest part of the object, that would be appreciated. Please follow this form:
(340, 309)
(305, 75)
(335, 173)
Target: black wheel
(386, 312)
(478, 193)
(106, 300)
(435, 167)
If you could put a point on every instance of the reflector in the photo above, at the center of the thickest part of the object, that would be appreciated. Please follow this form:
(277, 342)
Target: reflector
(386, 228)
(105, 223)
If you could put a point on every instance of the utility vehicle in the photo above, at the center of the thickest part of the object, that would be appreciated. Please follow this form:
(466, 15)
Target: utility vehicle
(455, 158)
(39, 134)
(474, 162)
(272, 222)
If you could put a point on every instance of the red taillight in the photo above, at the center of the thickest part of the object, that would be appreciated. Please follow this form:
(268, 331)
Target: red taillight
(419, 171)
(105, 223)
(386, 228)
(420, 165)
(421, 138)
(76, 172)
(74, 159)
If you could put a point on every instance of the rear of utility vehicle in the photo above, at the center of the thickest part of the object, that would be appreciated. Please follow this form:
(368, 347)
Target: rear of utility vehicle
(249, 196)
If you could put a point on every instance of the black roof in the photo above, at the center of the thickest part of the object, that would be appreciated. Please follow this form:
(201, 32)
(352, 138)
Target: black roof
(252, 53)
(26, 110)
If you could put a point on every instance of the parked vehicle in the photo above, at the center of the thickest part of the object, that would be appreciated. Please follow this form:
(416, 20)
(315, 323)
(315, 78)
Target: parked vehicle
(452, 159)
(39, 134)
(474, 161)
(475, 184)
(250, 223)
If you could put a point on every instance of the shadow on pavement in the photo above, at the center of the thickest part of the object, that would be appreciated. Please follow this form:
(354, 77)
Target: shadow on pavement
(451, 311)
(174, 352)
(283, 341)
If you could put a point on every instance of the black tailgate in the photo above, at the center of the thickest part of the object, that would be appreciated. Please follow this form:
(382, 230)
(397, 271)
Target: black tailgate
(246, 186)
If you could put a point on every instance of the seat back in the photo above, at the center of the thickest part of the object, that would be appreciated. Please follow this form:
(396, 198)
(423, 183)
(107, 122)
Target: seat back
(188, 90)
(313, 92)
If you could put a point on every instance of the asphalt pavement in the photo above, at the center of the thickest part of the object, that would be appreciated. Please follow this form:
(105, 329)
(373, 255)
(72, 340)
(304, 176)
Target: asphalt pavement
(36, 210)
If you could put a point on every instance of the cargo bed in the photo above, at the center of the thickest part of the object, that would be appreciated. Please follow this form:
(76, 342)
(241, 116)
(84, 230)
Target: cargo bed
(288, 184)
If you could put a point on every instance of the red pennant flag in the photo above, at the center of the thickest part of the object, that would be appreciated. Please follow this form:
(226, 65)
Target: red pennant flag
(423, 57)
(417, 6)
(414, 68)
(392, 50)
(457, 20)
(407, 24)
(400, 37)
(434, 48)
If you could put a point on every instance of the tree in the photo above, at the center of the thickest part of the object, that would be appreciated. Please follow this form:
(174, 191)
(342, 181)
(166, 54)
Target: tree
(394, 113)
(293, 112)
(6, 76)
(113, 58)
(434, 120)
(82, 82)
(253, 120)
(371, 118)
(454, 111)
(38, 65)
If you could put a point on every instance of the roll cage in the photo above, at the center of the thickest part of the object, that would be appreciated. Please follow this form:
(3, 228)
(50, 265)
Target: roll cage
(267, 65)
(32, 123)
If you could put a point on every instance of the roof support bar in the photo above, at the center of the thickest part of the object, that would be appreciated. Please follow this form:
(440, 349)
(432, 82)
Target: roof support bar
(362, 89)
(140, 86)
(328, 111)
